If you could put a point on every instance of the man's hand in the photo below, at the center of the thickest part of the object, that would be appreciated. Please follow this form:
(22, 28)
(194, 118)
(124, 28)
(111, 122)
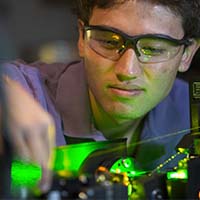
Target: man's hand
(32, 129)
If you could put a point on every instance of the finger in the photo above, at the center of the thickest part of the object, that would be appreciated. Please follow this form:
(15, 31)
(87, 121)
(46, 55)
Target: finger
(41, 144)
(41, 147)
(37, 141)
(46, 180)
(20, 147)
(51, 139)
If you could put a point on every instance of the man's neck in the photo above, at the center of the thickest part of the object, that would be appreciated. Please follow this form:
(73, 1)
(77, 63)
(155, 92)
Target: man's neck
(110, 127)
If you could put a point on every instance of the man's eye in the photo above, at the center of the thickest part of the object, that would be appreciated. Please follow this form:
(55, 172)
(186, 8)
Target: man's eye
(109, 44)
(151, 51)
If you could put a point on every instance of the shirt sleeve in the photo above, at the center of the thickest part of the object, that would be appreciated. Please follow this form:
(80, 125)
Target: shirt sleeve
(30, 79)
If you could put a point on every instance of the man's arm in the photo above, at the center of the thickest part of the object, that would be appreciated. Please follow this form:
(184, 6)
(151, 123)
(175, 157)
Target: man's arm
(32, 130)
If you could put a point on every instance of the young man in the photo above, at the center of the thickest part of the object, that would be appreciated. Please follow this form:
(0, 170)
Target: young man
(125, 85)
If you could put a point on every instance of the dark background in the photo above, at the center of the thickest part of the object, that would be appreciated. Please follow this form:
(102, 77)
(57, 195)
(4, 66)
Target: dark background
(32, 24)
(28, 26)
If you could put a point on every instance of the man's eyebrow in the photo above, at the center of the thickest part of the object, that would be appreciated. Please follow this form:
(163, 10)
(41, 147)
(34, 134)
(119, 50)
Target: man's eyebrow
(111, 28)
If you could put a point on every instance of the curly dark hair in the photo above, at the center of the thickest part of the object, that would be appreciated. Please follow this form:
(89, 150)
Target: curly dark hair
(189, 10)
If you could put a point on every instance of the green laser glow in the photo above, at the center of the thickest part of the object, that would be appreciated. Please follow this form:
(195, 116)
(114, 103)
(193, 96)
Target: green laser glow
(67, 159)
(179, 174)
(25, 173)
(126, 165)
(71, 157)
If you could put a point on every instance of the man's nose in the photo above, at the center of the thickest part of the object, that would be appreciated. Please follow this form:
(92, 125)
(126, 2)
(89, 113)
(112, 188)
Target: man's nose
(128, 66)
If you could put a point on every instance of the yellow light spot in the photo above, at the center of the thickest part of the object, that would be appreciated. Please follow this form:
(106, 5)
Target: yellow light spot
(116, 37)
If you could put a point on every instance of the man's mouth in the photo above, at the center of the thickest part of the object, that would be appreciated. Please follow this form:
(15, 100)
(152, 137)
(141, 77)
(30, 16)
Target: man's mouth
(126, 90)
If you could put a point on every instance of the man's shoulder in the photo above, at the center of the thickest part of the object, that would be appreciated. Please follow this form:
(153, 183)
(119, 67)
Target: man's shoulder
(178, 96)
(180, 84)
(179, 92)
(54, 70)
(19, 70)
(172, 113)
(45, 68)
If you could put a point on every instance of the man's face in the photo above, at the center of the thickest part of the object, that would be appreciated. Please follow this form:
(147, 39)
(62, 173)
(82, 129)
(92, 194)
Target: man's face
(126, 88)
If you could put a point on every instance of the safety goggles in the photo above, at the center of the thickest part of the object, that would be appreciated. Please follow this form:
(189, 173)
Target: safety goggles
(149, 48)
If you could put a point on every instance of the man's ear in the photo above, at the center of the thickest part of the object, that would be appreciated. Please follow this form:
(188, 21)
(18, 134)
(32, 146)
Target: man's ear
(81, 38)
(188, 56)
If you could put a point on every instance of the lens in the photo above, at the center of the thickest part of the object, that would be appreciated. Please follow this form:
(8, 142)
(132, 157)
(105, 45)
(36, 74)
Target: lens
(156, 49)
(105, 43)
